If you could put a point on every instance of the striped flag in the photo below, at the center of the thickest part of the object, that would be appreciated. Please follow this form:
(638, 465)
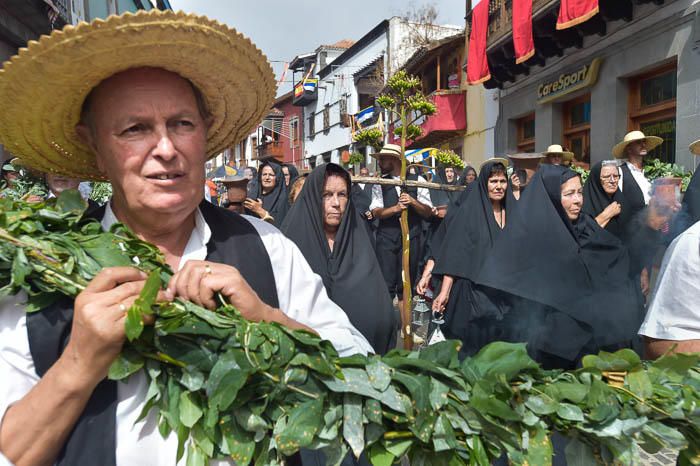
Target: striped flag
(364, 116)
(310, 84)
(477, 65)
(573, 12)
(522, 30)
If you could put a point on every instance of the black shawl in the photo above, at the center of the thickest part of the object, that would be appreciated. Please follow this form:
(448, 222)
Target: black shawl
(595, 200)
(440, 197)
(350, 272)
(293, 174)
(463, 176)
(567, 284)
(276, 202)
(252, 187)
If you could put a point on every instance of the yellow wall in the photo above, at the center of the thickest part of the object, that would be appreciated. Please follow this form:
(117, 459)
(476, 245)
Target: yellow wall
(475, 137)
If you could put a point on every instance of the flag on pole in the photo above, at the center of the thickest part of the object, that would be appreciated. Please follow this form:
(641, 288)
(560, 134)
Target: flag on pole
(364, 115)
(573, 12)
(284, 73)
(477, 65)
(522, 30)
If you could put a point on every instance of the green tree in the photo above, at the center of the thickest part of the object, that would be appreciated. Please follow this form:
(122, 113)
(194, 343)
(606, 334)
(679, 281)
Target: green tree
(405, 103)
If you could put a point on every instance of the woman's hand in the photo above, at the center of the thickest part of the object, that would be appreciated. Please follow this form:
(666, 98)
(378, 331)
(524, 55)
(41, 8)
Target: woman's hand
(440, 302)
(255, 206)
(199, 281)
(612, 210)
(423, 284)
(644, 281)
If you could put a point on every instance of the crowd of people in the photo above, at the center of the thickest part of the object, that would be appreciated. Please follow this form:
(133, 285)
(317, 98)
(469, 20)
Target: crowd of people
(525, 253)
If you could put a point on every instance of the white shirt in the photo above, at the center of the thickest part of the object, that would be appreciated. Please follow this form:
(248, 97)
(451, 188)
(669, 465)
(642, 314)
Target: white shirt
(674, 309)
(301, 296)
(378, 198)
(642, 181)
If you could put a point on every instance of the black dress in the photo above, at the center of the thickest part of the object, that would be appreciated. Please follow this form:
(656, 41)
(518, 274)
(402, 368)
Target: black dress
(350, 272)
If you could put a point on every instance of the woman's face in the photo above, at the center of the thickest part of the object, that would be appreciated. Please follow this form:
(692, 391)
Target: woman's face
(267, 177)
(497, 185)
(335, 200)
(285, 172)
(449, 174)
(609, 179)
(572, 198)
(248, 173)
(470, 176)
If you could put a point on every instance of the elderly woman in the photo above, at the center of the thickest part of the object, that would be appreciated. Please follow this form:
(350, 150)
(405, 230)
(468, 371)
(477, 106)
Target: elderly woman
(149, 132)
(603, 199)
(336, 241)
(269, 200)
(468, 175)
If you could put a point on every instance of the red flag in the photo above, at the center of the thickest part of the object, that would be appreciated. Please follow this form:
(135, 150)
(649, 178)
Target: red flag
(477, 65)
(522, 30)
(573, 12)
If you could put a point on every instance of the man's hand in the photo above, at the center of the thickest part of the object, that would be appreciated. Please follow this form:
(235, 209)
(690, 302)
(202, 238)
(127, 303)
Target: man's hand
(97, 334)
(255, 206)
(406, 200)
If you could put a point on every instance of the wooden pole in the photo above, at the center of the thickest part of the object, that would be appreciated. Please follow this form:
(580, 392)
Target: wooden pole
(405, 249)
(407, 183)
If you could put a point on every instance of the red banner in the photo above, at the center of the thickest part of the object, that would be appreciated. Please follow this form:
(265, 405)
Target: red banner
(477, 65)
(573, 12)
(522, 30)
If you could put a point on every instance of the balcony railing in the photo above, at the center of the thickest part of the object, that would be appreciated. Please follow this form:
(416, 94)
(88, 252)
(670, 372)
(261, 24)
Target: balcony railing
(272, 149)
(450, 119)
(501, 17)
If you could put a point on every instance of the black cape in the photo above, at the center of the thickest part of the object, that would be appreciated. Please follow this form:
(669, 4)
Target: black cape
(276, 202)
(350, 272)
(567, 285)
(470, 233)
(595, 200)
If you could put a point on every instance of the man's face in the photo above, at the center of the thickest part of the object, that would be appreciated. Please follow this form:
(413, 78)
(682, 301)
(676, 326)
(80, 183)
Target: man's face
(449, 174)
(58, 184)
(150, 140)
(11, 177)
(554, 159)
(364, 171)
(236, 194)
(268, 178)
(636, 149)
(387, 164)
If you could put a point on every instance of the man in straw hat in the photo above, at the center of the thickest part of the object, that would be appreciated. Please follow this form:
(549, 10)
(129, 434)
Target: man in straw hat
(633, 183)
(236, 185)
(388, 202)
(142, 100)
(556, 155)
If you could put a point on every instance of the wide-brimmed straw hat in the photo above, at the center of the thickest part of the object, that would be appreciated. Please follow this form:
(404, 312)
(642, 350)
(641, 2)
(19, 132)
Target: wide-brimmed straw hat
(393, 150)
(232, 175)
(502, 160)
(526, 156)
(556, 149)
(651, 142)
(694, 147)
(44, 86)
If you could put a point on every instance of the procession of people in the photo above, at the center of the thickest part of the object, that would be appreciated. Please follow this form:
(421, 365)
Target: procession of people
(526, 252)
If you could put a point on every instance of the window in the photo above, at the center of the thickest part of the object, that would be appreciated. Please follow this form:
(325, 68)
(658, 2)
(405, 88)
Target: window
(526, 133)
(577, 128)
(326, 117)
(294, 132)
(652, 108)
(312, 125)
(344, 117)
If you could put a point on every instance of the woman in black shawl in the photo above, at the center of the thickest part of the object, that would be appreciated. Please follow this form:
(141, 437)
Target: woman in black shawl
(479, 219)
(468, 176)
(563, 282)
(290, 173)
(251, 174)
(269, 199)
(336, 242)
(603, 200)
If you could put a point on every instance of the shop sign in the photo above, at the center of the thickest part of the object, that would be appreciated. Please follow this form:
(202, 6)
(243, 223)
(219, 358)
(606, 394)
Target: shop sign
(566, 83)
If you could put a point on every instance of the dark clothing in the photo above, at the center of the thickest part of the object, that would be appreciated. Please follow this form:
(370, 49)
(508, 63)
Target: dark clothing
(276, 202)
(595, 200)
(350, 271)
(690, 208)
(562, 287)
(93, 439)
(252, 187)
(632, 193)
(389, 240)
(293, 174)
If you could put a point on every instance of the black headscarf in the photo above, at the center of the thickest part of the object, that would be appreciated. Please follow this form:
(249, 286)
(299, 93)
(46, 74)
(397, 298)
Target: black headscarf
(595, 200)
(253, 183)
(569, 282)
(276, 202)
(293, 174)
(350, 272)
(440, 197)
(465, 172)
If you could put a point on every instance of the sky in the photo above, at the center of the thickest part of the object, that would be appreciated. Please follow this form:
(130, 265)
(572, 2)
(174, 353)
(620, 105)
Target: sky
(283, 29)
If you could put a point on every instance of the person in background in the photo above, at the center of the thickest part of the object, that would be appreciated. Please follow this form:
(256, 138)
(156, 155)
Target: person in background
(296, 188)
(524, 167)
(9, 174)
(290, 174)
(388, 202)
(556, 155)
(251, 173)
(602, 198)
(468, 175)
(270, 201)
(335, 241)
(236, 192)
(362, 196)
(634, 184)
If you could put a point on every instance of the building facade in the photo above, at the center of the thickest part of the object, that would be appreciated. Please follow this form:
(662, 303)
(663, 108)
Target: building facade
(281, 134)
(635, 65)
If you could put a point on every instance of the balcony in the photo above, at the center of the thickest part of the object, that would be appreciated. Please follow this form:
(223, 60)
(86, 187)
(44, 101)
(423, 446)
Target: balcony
(305, 92)
(549, 42)
(448, 122)
(270, 150)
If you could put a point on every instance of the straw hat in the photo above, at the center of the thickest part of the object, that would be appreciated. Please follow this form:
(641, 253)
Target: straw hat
(694, 147)
(526, 156)
(651, 142)
(233, 175)
(502, 160)
(44, 86)
(556, 149)
(389, 149)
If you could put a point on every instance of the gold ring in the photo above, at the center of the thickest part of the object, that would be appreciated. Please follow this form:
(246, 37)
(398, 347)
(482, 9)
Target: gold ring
(122, 307)
(207, 269)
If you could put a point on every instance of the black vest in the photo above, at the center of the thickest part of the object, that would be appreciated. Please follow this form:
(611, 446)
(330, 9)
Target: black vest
(390, 228)
(234, 241)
